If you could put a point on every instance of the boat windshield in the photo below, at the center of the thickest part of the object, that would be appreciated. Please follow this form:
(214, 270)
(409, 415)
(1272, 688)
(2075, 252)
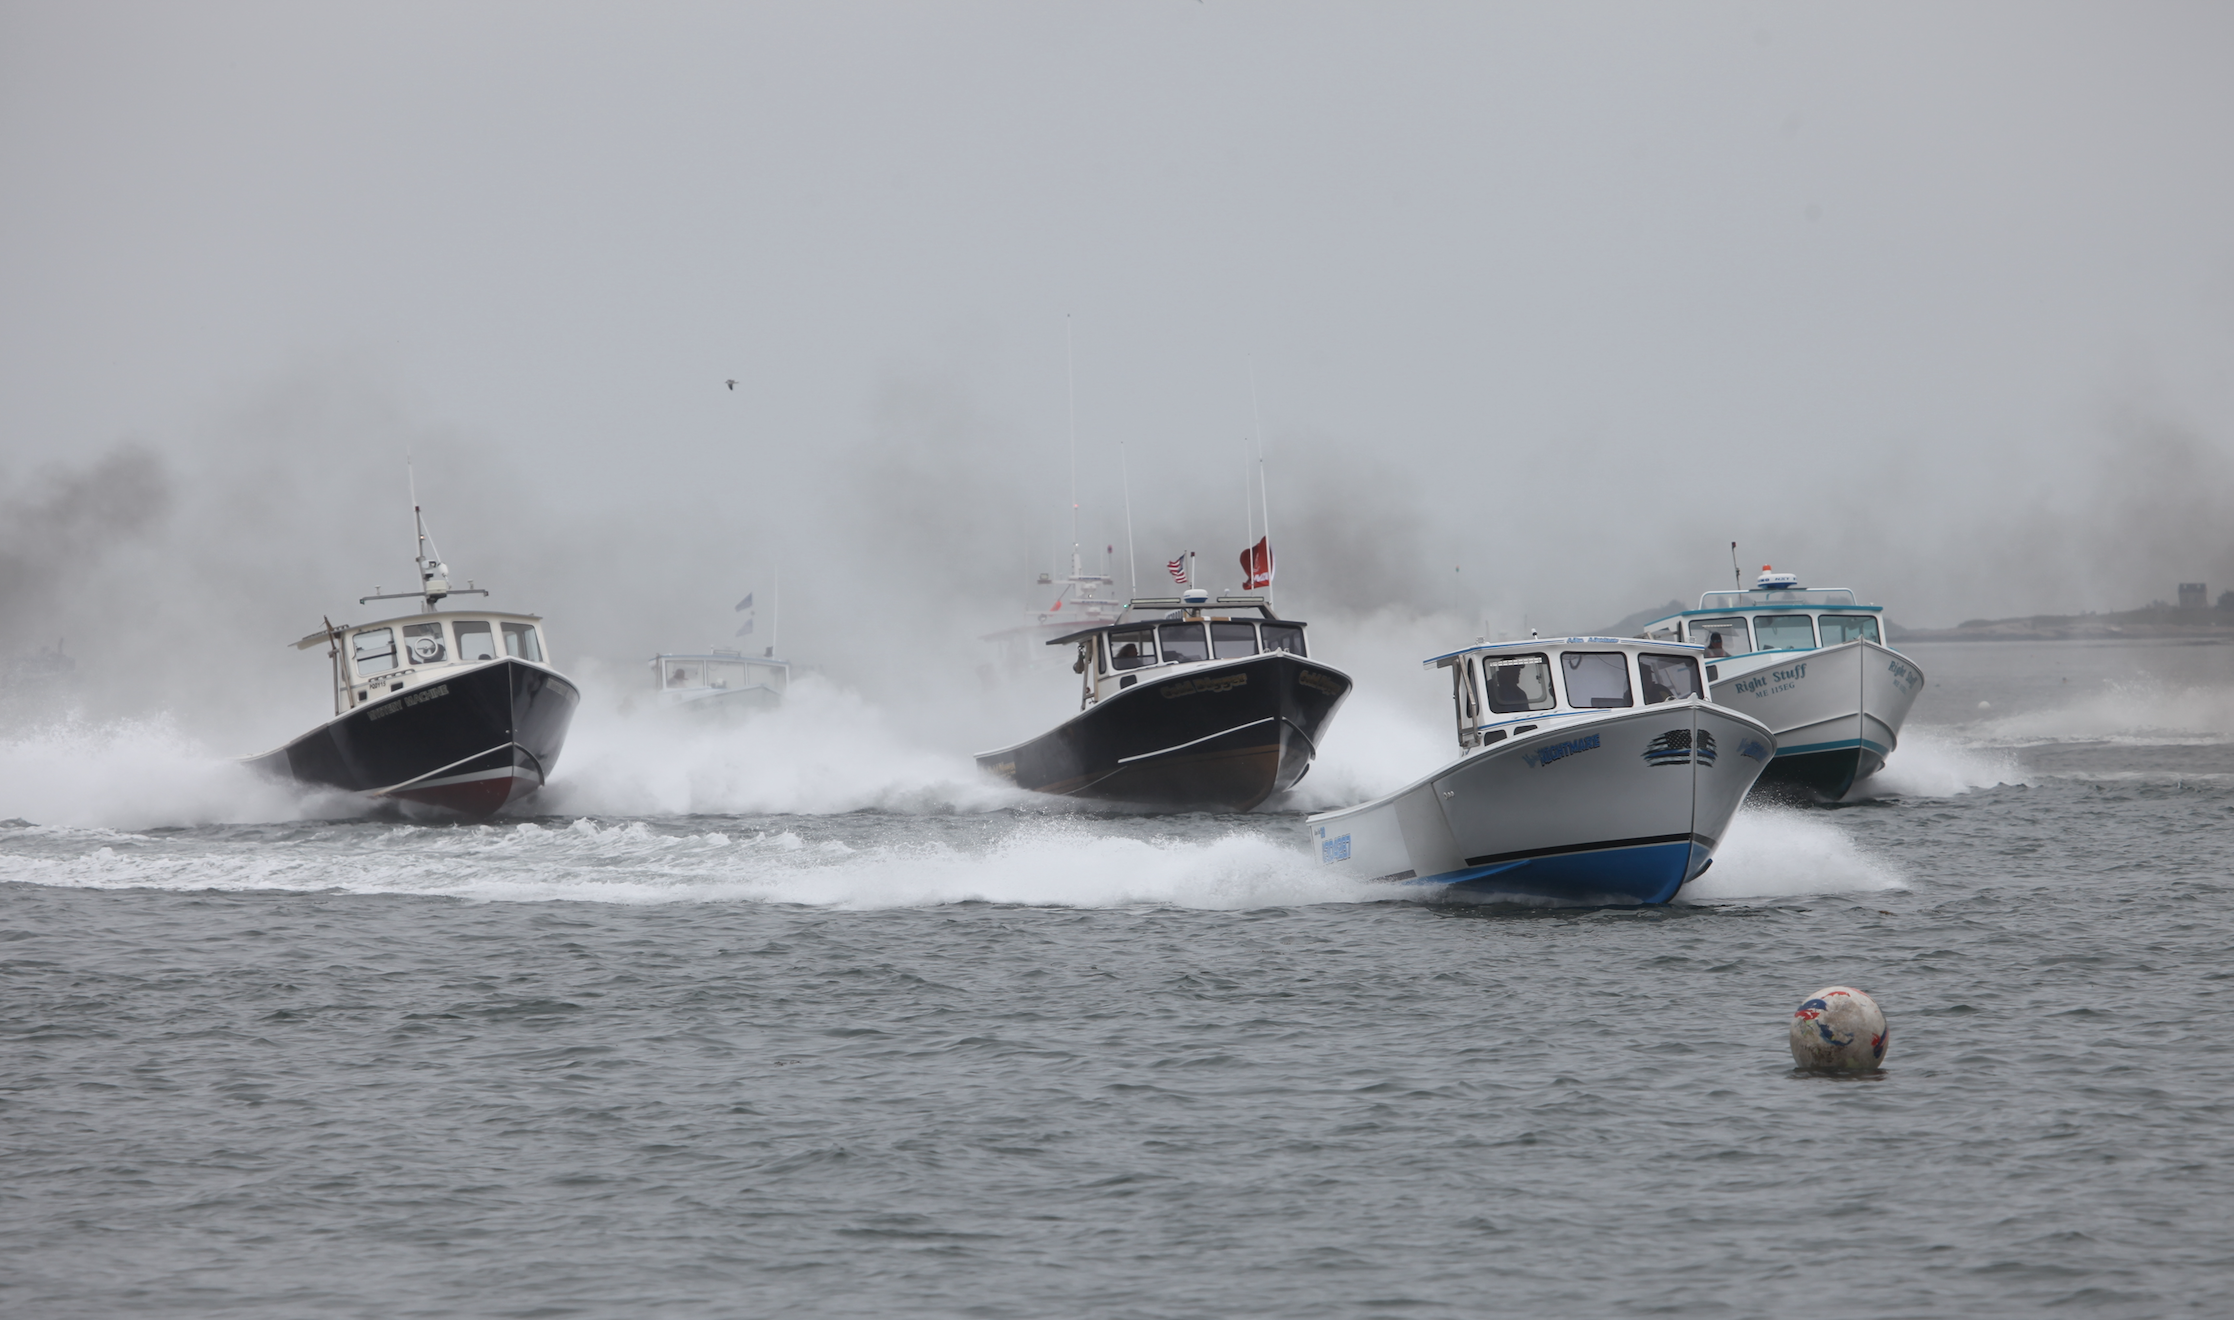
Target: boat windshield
(375, 651)
(1720, 636)
(1783, 632)
(1182, 642)
(1518, 683)
(422, 643)
(475, 642)
(519, 640)
(1668, 677)
(1596, 680)
(1131, 650)
(1230, 641)
(1848, 628)
(1284, 637)
(725, 674)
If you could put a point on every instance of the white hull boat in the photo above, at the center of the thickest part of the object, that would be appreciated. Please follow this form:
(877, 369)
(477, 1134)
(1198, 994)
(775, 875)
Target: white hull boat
(1615, 786)
(1812, 664)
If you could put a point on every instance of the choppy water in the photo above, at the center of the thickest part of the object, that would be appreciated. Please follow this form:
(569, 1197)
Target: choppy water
(755, 1034)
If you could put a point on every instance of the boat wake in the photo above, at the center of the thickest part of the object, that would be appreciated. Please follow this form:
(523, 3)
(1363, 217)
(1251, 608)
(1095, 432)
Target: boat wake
(1780, 852)
(1034, 862)
(2141, 712)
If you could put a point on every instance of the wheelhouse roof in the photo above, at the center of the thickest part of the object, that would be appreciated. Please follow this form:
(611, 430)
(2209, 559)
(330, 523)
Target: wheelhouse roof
(339, 629)
(1539, 643)
(722, 657)
(1203, 616)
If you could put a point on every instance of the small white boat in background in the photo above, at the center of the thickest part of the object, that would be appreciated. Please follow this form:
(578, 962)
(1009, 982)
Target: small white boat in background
(1591, 769)
(720, 684)
(1812, 664)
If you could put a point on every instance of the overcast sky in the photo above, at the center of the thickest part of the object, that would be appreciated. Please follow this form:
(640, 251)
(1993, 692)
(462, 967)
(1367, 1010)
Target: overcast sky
(1544, 306)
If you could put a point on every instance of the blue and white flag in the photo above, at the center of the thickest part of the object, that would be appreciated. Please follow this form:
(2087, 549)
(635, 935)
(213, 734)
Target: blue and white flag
(744, 607)
(745, 604)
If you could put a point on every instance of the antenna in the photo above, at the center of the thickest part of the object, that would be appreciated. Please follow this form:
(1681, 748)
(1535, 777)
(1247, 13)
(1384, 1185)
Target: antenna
(1132, 561)
(434, 575)
(1737, 579)
(1070, 377)
(1248, 513)
(1264, 481)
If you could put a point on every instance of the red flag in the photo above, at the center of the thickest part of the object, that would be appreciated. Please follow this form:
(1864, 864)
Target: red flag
(1256, 565)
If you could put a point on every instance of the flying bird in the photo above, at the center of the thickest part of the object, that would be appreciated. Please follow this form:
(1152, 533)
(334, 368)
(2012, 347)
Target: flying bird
(733, 384)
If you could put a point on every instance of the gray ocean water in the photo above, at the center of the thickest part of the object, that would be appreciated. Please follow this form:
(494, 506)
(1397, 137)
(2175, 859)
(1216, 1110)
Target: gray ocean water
(968, 1058)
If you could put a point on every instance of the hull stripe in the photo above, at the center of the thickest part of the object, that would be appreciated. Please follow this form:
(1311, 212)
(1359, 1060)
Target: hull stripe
(1166, 751)
(1526, 854)
(1840, 746)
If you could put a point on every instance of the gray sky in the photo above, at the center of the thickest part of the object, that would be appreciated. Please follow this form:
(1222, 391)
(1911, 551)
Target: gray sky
(1933, 301)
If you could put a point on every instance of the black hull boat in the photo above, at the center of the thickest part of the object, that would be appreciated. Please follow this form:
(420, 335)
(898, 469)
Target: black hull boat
(1167, 725)
(468, 742)
(460, 712)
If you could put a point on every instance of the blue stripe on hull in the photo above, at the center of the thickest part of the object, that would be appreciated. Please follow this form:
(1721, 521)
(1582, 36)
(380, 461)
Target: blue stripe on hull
(1648, 874)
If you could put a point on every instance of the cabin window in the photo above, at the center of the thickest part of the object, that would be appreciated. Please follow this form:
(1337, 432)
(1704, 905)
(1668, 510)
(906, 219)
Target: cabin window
(1131, 650)
(1517, 683)
(1182, 642)
(684, 676)
(519, 640)
(1848, 628)
(422, 644)
(375, 651)
(1783, 632)
(1720, 636)
(1596, 680)
(1668, 677)
(725, 674)
(1284, 637)
(1230, 641)
(475, 642)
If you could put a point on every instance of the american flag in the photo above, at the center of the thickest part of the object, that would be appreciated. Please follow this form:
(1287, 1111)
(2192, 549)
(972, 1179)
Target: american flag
(1178, 569)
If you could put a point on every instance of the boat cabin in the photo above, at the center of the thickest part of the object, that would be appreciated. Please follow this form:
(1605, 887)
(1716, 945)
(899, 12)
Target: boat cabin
(1506, 689)
(1776, 614)
(1180, 630)
(717, 675)
(373, 660)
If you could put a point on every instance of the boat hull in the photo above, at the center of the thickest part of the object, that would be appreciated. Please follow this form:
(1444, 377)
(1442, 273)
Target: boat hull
(1216, 737)
(469, 743)
(1612, 809)
(1836, 712)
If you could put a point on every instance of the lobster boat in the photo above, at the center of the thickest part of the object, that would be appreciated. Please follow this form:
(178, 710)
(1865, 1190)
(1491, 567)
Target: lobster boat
(1190, 703)
(462, 712)
(1590, 770)
(1812, 663)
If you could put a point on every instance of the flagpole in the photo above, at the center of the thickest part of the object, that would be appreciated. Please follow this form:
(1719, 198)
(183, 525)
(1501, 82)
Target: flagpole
(775, 607)
(1070, 382)
(1132, 562)
(1248, 514)
(1264, 481)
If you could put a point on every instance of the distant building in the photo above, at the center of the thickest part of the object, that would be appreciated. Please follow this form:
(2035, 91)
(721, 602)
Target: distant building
(2194, 597)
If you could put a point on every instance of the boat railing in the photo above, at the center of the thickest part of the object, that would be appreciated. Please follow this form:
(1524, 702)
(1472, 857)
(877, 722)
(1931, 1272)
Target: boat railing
(1793, 596)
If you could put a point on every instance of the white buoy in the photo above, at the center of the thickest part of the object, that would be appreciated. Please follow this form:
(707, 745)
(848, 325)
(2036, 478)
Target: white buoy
(1839, 1027)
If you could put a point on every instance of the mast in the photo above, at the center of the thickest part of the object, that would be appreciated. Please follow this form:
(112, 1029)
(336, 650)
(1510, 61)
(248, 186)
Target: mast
(1070, 380)
(1264, 486)
(1132, 560)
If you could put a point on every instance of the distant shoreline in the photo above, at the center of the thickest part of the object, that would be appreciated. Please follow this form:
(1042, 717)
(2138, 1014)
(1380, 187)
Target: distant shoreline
(2155, 623)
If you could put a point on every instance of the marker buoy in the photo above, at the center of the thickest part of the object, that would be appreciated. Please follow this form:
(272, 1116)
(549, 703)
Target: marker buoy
(1839, 1027)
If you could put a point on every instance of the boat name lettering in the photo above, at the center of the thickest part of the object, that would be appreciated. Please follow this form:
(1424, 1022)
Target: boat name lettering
(1334, 850)
(414, 698)
(1542, 756)
(384, 712)
(1761, 685)
(1220, 683)
(1312, 678)
(1902, 674)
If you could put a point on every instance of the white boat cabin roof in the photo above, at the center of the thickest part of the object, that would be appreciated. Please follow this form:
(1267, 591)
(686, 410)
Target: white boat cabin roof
(1496, 686)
